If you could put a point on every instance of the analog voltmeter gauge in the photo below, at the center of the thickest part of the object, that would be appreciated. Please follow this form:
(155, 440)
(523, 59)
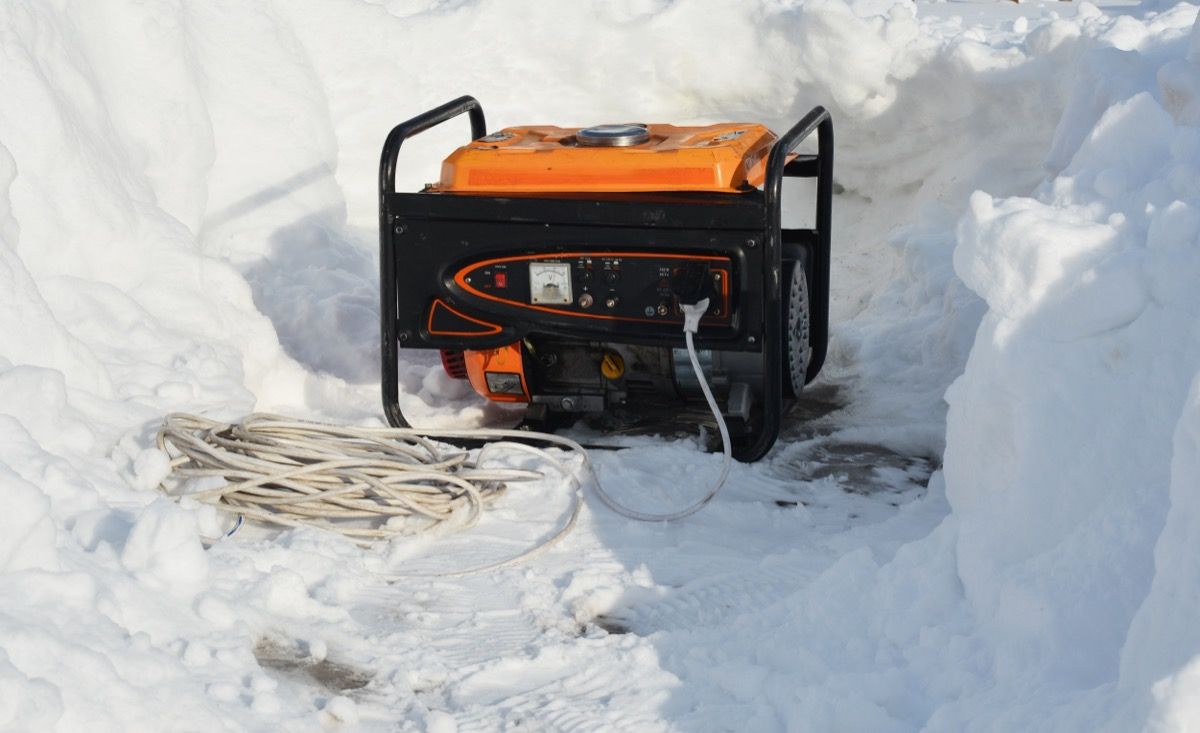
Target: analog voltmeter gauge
(550, 283)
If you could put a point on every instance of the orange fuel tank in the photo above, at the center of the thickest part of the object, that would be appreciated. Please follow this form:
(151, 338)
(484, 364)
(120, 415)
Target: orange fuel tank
(728, 157)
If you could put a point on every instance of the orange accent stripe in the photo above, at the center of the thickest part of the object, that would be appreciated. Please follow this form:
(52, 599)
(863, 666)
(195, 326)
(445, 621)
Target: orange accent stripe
(460, 279)
(438, 302)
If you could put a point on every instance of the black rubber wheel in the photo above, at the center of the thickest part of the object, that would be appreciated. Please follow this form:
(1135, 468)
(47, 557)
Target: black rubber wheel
(797, 346)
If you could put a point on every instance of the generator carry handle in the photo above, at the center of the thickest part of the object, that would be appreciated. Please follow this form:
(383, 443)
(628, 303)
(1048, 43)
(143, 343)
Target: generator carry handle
(806, 166)
(778, 166)
(421, 123)
(387, 257)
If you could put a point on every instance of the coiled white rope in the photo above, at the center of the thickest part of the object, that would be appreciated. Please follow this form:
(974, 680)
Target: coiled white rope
(370, 484)
(367, 484)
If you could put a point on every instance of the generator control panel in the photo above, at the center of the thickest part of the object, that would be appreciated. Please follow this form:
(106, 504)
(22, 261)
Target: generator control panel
(623, 286)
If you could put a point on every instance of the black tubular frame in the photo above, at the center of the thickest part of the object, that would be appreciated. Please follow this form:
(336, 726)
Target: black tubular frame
(416, 218)
(818, 120)
(388, 347)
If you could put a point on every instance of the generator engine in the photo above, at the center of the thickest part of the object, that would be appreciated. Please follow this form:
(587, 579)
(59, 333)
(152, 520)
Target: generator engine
(550, 266)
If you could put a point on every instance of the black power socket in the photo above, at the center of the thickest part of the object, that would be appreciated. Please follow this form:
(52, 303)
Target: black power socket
(693, 283)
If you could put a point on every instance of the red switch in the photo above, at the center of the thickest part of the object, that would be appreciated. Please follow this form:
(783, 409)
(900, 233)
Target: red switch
(501, 279)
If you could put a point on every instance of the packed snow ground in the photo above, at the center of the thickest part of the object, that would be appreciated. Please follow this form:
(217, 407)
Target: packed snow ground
(187, 223)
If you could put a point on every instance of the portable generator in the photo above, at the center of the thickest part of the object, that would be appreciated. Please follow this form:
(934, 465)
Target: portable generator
(549, 265)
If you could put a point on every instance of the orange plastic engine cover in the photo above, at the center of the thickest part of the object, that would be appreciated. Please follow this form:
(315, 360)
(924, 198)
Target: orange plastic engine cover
(503, 363)
(727, 158)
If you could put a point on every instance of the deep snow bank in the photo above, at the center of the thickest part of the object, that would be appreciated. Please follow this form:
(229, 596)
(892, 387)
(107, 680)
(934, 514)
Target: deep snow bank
(111, 314)
(1060, 452)
(186, 215)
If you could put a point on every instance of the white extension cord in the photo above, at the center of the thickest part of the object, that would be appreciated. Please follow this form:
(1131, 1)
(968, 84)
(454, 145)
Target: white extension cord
(368, 483)
(296, 473)
(691, 322)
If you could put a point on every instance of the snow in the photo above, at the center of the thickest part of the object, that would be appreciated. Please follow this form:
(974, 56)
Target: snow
(983, 517)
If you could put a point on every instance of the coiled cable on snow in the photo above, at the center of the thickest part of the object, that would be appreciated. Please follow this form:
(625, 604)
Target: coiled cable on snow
(363, 483)
(366, 483)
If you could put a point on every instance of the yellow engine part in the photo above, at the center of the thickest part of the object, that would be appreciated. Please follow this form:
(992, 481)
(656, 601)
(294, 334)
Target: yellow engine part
(612, 366)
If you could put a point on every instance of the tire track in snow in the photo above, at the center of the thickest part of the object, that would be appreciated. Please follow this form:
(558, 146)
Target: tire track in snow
(713, 601)
(596, 634)
(475, 648)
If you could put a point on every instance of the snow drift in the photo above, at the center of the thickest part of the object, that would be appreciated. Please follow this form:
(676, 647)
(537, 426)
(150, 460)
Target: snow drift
(186, 223)
(1068, 432)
